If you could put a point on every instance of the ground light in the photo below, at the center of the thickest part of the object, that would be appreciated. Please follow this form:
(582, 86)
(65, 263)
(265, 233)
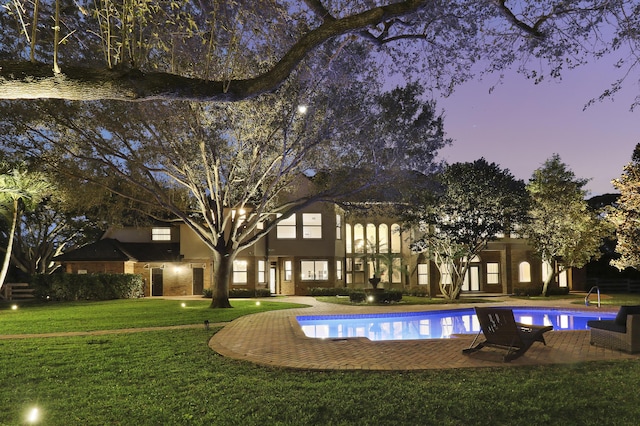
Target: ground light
(33, 416)
(14, 307)
(258, 303)
(184, 305)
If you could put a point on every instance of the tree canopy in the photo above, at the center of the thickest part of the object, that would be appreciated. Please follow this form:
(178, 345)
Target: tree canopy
(232, 171)
(476, 203)
(562, 228)
(625, 215)
(20, 190)
(228, 51)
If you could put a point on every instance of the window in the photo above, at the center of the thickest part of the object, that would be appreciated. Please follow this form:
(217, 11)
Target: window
(338, 227)
(314, 270)
(423, 274)
(396, 269)
(338, 269)
(288, 270)
(395, 238)
(358, 238)
(383, 232)
(445, 273)
(372, 240)
(524, 272)
(311, 225)
(347, 232)
(161, 234)
(286, 228)
(262, 271)
(240, 271)
(493, 273)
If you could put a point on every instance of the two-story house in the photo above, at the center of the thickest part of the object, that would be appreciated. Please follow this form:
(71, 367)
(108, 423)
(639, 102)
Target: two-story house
(323, 245)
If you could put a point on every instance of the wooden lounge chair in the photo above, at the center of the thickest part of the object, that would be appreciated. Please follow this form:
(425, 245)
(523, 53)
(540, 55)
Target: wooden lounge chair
(501, 330)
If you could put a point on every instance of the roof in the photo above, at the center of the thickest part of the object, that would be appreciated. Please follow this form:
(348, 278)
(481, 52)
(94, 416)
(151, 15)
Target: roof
(112, 250)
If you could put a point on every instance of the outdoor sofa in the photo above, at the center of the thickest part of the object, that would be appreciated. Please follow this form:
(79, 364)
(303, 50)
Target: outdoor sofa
(621, 333)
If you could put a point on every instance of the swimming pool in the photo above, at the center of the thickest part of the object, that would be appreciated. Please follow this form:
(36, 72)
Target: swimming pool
(435, 324)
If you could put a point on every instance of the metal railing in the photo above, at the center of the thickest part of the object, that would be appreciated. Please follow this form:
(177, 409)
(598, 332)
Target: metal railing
(586, 299)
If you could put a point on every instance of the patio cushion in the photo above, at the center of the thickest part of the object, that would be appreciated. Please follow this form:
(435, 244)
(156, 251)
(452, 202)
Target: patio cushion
(621, 318)
(609, 325)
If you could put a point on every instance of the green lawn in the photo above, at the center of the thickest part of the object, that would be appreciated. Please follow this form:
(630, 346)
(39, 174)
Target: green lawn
(171, 377)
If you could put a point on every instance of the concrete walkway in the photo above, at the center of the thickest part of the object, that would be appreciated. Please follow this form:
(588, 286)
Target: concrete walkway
(275, 339)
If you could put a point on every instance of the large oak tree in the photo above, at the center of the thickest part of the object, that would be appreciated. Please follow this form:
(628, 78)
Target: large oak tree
(231, 171)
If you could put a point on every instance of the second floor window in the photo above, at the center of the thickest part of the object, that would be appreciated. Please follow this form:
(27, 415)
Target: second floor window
(161, 234)
(287, 228)
(311, 225)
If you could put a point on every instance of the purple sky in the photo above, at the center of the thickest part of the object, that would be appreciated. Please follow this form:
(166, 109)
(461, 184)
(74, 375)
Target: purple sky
(520, 124)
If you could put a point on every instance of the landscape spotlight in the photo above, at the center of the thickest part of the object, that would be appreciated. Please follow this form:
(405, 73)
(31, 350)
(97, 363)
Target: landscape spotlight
(33, 416)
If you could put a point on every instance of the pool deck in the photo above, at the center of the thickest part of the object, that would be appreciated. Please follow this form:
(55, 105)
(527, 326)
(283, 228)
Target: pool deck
(275, 339)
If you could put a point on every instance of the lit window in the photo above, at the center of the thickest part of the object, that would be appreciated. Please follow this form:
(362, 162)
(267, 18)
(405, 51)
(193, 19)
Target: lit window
(338, 269)
(161, 234)
(262, 271)
(524, 272)
(314, 270)
(358, 238)
(288, 270)
(240, 271)
(348, 244)
(372, 240)
(383, 244)
(423, 274)
(493, 273)
(311, 225)
(338, 227)
(396, 268)
(395, 238)
(446, 273)
(286, 228)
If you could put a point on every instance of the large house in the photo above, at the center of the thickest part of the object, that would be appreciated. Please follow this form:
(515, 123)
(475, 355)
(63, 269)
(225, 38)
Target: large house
(324, 245)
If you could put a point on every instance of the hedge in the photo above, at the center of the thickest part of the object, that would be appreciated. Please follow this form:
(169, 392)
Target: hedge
(240, 293)
(87, 286)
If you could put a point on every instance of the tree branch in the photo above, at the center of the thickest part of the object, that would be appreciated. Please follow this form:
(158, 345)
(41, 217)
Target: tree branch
(25, 80)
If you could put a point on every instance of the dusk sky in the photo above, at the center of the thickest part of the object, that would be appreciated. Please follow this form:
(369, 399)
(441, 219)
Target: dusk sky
(520, 124)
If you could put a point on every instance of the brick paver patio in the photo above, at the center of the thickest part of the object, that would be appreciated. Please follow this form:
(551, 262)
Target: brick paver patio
(274, 338)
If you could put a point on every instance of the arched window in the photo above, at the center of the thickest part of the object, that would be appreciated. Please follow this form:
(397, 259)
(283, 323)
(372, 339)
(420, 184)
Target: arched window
(372, 239)
(524, 272)
(395, 238)
(358, 238)
(383, 233)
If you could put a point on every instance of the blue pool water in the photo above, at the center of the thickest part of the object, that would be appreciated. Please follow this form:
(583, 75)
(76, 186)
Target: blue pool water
(435, 324)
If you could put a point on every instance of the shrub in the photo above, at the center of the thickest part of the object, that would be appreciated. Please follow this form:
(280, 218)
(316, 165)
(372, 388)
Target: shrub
(530, 290)
(87, 287)
(240, 293)
(328, 291)
(357, 297)
(417, 291)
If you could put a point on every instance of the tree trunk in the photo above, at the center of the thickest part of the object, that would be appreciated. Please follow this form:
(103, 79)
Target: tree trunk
(545, 285)
(7, 255)
(223, 266)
